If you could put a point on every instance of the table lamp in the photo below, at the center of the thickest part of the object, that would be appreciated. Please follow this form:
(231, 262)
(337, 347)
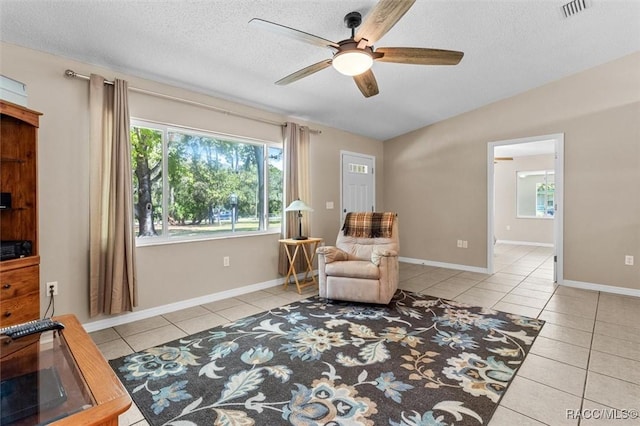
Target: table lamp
(299, 206)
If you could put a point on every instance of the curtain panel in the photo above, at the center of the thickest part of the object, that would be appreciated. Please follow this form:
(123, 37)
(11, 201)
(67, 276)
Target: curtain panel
(112, 276)
(296, 185)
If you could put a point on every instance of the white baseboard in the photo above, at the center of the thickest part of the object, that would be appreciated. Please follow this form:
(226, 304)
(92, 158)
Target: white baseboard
(602, 287)
(444, 265)
(524, 243)
(183, 304)
(189, 303)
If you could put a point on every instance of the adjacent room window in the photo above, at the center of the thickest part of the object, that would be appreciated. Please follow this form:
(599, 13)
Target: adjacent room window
(190, 184)
(535, 193)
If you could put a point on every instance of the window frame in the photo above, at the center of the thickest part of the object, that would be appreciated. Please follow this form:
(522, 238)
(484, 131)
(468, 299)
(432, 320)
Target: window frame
(165, 129)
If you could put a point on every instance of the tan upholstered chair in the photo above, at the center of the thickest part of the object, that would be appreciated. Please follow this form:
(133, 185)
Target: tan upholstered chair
(360, 269)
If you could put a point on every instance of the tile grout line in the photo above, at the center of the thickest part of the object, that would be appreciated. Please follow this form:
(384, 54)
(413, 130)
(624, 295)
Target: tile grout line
(586, 376)
(124, 340)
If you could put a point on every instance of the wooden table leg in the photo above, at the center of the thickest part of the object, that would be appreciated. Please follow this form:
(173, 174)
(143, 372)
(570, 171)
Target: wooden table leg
(310, 262)
(292, 267)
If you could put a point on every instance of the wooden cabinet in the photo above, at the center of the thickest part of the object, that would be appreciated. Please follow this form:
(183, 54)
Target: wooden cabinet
(19, 278)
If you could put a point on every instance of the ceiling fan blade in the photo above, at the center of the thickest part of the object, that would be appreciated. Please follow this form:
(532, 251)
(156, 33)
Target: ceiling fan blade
(293, 33)
(304, 72)
(381, 19)
(419, 56)
(367, 83)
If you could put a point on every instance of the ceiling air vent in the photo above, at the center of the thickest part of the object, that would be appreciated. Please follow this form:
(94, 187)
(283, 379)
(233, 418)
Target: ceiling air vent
(574, 7)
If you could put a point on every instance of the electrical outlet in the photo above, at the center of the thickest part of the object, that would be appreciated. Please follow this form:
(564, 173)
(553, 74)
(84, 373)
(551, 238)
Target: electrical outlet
(465, 244)
(459, 243)
(52, 286)
(628, 260)
(225, 261)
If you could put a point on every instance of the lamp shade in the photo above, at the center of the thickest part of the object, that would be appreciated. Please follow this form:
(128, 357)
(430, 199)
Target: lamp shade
(298, 205)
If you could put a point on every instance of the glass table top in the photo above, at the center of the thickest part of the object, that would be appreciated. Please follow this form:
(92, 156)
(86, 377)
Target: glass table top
(40, 381)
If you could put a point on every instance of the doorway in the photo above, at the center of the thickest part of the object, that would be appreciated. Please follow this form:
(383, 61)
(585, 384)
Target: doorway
(547, 195)
(357, 183)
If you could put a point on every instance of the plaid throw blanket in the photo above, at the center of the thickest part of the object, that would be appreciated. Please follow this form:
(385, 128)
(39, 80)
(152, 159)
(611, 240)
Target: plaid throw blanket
(368, 225)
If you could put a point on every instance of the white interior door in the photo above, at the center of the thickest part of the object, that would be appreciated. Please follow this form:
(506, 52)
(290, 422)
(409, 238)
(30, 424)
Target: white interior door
(358, 183)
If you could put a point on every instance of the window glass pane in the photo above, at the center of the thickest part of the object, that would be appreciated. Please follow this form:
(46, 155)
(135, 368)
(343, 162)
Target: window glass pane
(275, 195)
(550, 192)
(215, 185)
(358, 168)
(146, 160)
(249, 187)
(541, 199)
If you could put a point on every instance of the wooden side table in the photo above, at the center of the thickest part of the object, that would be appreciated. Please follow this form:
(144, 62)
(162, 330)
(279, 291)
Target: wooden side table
(298, 246)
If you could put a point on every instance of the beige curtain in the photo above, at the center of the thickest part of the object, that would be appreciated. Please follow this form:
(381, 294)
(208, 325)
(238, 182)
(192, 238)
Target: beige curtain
(304, 186)
(112, 277)
(296, 185)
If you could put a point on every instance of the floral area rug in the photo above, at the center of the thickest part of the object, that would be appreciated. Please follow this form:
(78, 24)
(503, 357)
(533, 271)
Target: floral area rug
(417, 361)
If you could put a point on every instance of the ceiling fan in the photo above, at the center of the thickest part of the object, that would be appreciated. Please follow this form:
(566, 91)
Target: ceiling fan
(355, 56)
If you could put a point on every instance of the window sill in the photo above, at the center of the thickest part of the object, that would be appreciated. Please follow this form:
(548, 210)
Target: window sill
(158, 241)
(535, 217)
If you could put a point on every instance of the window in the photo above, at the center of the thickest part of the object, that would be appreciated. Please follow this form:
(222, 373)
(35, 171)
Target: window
(536, 194)
(191, 184)
(358, 168)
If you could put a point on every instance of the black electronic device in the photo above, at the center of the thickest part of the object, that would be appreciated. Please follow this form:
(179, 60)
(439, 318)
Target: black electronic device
(5, 200)
(15, 249)
(29, 394)
(32, 327)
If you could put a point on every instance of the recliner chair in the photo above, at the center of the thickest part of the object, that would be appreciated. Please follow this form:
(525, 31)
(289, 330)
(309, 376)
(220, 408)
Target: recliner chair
(360, 269)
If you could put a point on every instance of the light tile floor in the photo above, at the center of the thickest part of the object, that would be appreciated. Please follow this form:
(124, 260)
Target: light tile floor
(587, 356)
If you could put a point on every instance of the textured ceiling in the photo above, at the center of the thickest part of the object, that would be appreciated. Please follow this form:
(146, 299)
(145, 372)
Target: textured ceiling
(208, 46)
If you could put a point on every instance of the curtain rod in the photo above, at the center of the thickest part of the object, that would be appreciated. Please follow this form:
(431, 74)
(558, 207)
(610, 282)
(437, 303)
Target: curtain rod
(73, 74)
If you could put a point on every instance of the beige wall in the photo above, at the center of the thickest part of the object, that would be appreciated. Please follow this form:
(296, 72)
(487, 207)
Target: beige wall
(166, 273)
(436, 176)
(528, 230)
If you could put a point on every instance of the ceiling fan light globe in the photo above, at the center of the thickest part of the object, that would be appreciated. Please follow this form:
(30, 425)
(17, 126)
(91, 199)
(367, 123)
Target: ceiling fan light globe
(352, 62)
